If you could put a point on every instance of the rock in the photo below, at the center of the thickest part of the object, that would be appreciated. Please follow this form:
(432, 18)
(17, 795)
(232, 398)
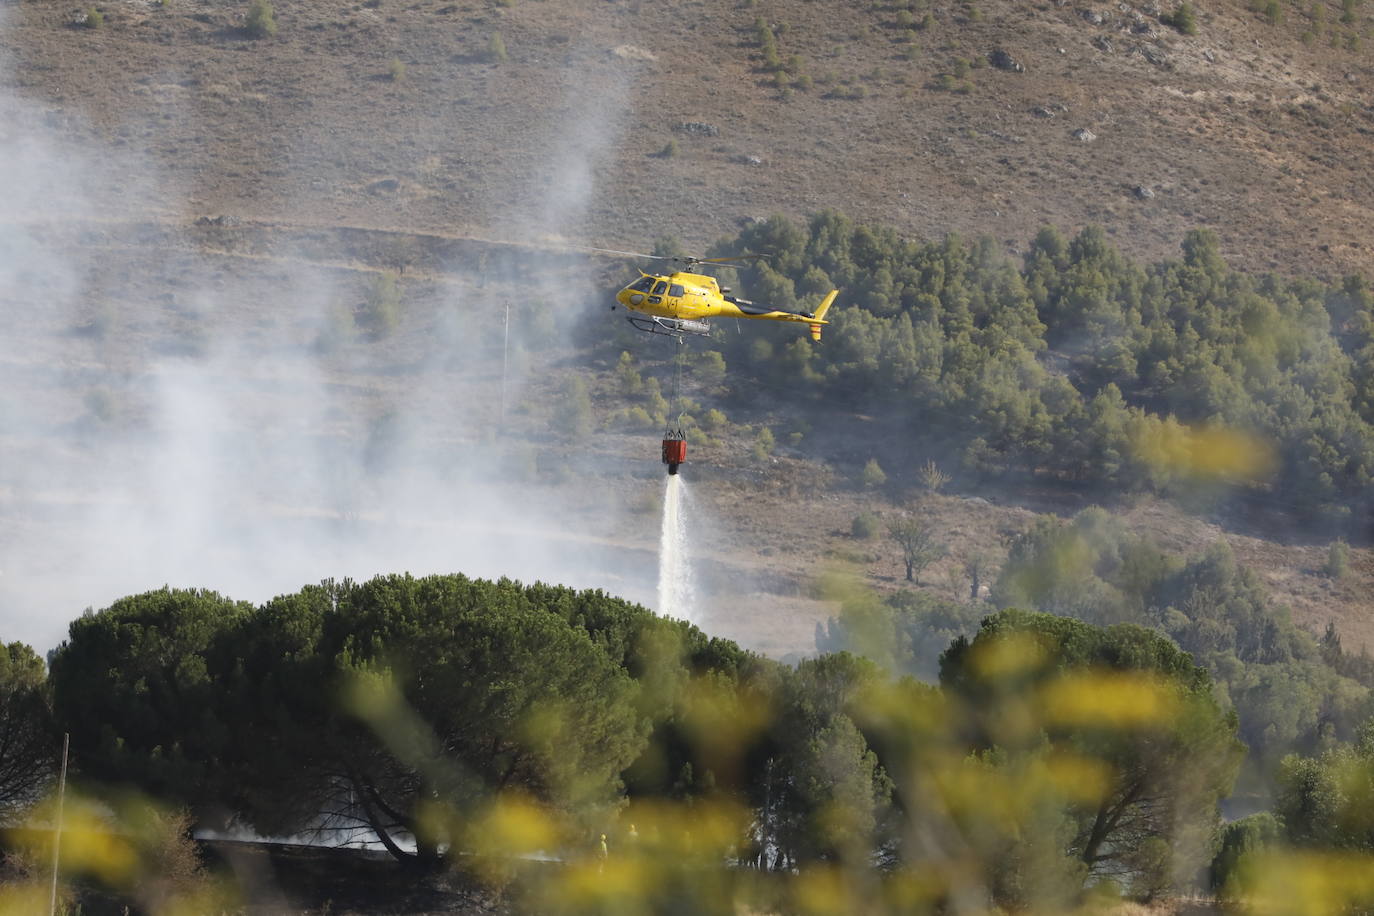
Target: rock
(697, 127)
(1104, 44)
(1004, 61)
(1208, 56)
(630, 52)
(1156, 57)
(1093, 17)
(749, 160)
(1083, 135)
(385, 186)
(1042, 112)
(1143, 192)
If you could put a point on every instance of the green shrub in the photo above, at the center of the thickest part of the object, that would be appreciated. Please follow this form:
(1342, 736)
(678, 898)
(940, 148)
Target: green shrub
(654, 401)
(572, 411)
(763, 445)
(336, 329)
(631, 382)
(496, 49)
(261, 21)
(633, 418)
(865, 526)
(94, 19)
(396, 70)
(669, 150)
(382, 308)
(873, 476)
(1184, 19)
(1337, 564)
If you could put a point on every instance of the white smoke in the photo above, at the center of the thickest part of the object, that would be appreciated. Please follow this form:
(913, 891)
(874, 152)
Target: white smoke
(195, 435)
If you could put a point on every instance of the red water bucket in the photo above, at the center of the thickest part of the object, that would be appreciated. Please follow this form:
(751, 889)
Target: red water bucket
(674, 453)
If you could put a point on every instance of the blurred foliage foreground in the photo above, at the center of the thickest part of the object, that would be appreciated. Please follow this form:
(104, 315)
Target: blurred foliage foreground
(576, 754)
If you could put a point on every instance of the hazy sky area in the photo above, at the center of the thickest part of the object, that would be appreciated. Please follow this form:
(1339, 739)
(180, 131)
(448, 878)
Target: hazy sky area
(171, 417)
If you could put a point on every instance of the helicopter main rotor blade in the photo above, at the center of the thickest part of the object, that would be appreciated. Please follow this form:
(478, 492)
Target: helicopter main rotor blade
(689, 260)
(737, 257)
(623, 254)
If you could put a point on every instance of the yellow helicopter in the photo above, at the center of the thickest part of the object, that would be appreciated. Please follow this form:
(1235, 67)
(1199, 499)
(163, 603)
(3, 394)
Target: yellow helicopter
(681, 302)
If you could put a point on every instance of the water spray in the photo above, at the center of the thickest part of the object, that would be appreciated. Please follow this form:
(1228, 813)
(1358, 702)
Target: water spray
(675, 597)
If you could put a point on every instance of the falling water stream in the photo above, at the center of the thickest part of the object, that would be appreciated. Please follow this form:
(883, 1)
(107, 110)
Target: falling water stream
(674, 571)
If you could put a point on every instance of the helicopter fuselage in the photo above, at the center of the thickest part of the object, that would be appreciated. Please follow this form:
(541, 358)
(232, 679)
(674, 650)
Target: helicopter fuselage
(694, 298)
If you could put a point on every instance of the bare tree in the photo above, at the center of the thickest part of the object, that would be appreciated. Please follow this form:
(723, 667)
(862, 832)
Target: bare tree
(917, 540)
(931, 477)
(976, 566)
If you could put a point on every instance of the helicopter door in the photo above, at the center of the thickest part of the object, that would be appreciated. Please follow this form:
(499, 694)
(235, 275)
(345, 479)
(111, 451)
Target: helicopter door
(676, 303)
(656, 294)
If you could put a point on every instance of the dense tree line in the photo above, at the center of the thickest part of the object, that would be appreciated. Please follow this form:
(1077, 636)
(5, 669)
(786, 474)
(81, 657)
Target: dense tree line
(365, 702)
(1043, 756)
(411, 709)
(1078, 362)
(1291, 691)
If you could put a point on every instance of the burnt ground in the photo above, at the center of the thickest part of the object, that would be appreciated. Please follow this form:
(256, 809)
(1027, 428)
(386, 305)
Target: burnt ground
(392, 114)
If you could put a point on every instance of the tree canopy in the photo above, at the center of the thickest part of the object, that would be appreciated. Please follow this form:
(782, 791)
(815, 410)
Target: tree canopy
(369, 701)
(1128, 704)
(28, 736)
(1179, 377)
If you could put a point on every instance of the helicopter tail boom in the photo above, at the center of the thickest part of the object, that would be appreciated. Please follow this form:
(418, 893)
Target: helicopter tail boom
(820, 314)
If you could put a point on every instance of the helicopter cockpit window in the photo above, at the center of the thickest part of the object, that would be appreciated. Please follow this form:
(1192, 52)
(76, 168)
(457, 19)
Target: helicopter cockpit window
(675, 290)
(642, 285)
(659, 287)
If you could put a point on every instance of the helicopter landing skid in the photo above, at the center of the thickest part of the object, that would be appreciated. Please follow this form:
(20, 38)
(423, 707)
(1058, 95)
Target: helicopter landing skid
(672, 327)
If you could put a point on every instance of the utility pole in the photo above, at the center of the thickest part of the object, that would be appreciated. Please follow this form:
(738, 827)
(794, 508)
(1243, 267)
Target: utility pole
(505, 355)
(57, 831)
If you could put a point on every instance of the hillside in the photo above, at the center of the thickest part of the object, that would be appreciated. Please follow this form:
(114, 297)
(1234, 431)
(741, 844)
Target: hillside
(383, 136)
(397, 114)
(296, 344)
